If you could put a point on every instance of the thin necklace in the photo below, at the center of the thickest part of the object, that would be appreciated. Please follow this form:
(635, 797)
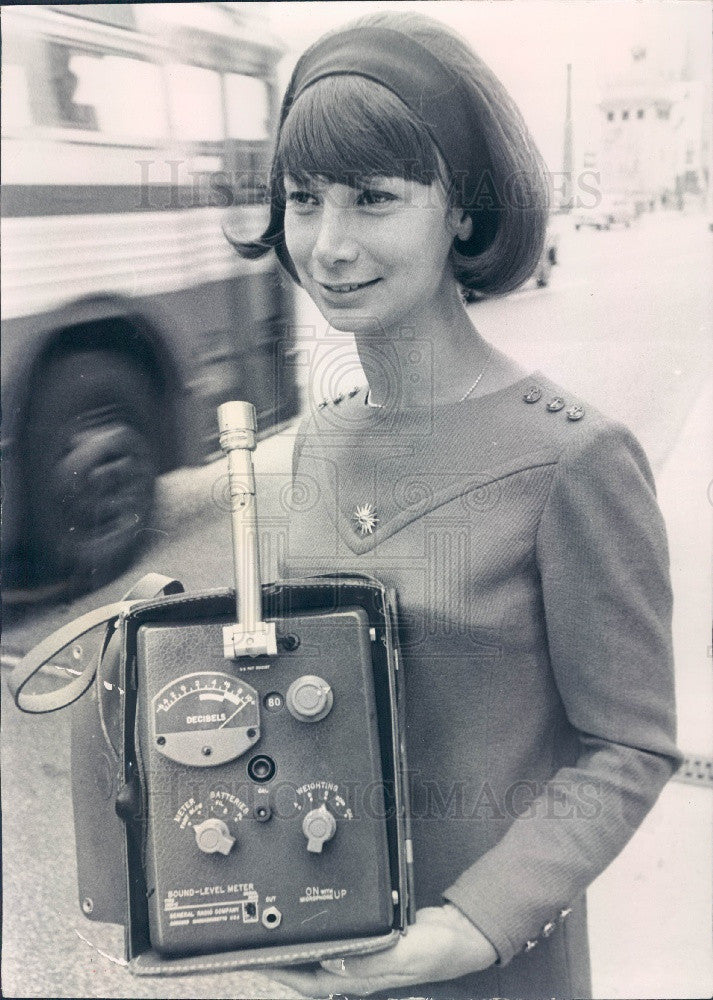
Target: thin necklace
(378, 406)
(482, 372)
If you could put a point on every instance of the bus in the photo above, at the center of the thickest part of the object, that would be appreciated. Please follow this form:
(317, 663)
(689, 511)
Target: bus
(131, 134)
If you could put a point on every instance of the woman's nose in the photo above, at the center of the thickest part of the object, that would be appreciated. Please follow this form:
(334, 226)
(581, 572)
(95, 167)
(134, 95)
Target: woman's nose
(335, 240)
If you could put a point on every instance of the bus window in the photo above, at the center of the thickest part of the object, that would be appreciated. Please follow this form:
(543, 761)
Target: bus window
(196, 103)
(15, 98)
(116, 94)
(64, 63)
(248, 107)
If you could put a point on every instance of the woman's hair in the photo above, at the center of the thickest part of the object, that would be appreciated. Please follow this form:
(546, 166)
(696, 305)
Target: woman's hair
(347, 128)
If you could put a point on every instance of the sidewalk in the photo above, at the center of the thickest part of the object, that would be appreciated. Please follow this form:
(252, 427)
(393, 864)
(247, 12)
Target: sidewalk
(651, 911)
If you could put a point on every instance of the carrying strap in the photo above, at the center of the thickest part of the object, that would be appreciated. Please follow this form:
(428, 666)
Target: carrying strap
(149, 586)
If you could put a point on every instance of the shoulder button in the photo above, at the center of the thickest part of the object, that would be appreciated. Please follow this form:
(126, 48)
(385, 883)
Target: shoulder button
(339, 398)
(323, 405)
(575, 412)
(533, 394)
(555, 404)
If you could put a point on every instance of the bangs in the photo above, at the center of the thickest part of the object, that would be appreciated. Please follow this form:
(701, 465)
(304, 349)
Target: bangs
(345, 128)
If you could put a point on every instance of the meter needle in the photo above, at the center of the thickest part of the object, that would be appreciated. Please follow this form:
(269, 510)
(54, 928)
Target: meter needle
(238, 709)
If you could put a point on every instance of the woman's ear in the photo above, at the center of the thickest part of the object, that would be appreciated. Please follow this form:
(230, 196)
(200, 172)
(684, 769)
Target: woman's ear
(461, 224)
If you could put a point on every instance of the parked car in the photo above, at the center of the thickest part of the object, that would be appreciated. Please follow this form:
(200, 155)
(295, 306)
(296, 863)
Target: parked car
(544, 268)
(609, 212)
(552, 245)
(550, 256)
(550, 253)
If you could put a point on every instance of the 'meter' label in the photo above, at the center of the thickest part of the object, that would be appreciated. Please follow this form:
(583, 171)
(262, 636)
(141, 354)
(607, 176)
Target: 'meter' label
(212, 904)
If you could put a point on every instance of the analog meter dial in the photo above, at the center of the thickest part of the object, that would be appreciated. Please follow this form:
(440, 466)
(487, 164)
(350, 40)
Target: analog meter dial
(205, 719)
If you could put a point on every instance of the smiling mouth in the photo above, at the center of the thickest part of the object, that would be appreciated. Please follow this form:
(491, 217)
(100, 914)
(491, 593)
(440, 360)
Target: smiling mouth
(348, 287)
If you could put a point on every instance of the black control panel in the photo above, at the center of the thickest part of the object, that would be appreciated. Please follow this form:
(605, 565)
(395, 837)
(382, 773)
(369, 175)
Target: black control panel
(264, 797)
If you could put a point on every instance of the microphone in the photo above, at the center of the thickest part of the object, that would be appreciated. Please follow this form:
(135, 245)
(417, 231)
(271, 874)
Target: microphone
(250, 635)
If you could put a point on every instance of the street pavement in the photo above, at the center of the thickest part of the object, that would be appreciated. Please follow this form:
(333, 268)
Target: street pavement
(627, 320)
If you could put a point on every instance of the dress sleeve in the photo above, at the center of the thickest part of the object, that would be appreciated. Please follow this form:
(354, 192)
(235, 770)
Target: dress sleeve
(603, 562)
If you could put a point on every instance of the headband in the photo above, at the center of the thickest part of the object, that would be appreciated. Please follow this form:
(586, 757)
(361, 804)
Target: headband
(433, 92)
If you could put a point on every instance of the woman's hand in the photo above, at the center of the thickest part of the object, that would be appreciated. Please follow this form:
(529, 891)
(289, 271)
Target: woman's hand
(442, 944)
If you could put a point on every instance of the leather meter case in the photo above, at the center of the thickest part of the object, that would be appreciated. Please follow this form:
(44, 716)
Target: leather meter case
(239, 809)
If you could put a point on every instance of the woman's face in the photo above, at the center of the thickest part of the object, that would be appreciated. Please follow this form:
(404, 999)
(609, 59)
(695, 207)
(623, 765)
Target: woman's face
(372, 256)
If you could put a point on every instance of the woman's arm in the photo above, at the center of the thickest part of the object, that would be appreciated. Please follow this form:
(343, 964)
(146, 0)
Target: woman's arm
(442, 944)
(603, 562)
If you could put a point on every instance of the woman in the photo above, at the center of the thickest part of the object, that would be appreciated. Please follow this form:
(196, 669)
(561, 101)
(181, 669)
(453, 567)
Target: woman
(518, 526)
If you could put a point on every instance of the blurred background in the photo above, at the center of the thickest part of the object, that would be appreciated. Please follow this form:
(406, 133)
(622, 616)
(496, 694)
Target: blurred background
(131, 136)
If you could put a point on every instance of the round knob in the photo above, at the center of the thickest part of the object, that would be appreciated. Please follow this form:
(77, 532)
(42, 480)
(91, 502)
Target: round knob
(309, 698)
(213, 836)
(318, 826)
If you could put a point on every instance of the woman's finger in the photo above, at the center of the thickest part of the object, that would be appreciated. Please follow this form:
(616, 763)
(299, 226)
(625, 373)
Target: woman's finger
(309, 984)
(324, 983)
(337, 966)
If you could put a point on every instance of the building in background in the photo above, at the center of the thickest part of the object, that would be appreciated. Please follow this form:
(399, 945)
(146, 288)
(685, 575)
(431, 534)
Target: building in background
(654, 147)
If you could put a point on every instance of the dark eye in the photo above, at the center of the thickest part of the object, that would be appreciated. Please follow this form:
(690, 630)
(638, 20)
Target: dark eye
(301, 199)
(372, 196)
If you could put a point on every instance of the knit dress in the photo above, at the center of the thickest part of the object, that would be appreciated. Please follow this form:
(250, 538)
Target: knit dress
(530, 561)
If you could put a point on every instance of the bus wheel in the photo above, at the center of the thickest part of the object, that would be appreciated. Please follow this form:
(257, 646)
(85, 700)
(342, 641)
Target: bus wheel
(91, 466)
